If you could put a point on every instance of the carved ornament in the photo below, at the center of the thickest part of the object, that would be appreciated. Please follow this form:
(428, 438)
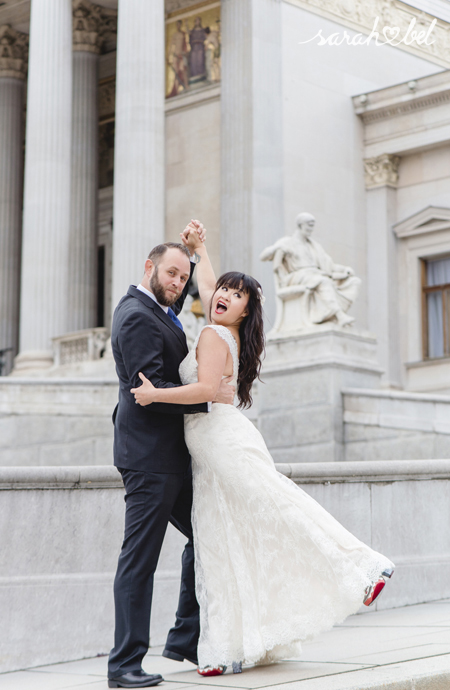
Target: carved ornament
(13, 52)
(93, 26)
(381, 170)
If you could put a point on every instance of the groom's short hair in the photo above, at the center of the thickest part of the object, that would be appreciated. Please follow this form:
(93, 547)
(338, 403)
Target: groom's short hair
(158, 252)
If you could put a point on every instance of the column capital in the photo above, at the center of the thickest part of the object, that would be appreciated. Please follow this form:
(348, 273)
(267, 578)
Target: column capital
(92, 26)
(381, 171)
(13, 52)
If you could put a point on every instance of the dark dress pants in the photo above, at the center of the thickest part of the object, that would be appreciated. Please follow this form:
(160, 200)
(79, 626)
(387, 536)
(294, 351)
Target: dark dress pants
(152, 501)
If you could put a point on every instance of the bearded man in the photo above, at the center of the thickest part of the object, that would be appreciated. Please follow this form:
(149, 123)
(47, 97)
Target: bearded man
(152, 457)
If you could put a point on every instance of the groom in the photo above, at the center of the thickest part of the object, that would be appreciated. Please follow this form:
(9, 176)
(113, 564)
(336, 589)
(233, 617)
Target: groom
(152, 457)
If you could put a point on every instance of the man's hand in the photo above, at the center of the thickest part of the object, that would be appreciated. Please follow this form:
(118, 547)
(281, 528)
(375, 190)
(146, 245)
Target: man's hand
(193, 235)
(225, 394)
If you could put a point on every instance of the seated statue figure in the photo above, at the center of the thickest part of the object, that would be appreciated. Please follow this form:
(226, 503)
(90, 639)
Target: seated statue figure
(305, 273)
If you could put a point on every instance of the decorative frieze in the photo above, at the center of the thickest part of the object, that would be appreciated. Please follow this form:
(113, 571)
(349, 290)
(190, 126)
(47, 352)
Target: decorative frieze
(13, 52)
(92, 26)
(360, 15)
(381, 170)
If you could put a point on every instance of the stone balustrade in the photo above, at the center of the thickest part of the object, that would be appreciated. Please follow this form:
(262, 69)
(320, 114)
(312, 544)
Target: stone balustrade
(61, 531)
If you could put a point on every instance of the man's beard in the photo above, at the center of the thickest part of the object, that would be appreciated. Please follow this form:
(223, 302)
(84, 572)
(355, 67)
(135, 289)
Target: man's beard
(159, 292)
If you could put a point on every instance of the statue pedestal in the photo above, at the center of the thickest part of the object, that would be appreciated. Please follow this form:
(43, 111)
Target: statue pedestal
(300, 403)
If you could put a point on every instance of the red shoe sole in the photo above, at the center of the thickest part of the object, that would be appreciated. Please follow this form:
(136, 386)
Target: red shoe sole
(209, 674)
(376, 592)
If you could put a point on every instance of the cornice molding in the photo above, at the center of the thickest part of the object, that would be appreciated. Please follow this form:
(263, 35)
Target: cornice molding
(176, 6)
(13, 52)
(92, 26)
(360, 16)
(381, 171)
(405, 107)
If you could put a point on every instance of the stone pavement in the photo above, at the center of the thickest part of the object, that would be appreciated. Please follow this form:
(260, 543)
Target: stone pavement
(398, 649)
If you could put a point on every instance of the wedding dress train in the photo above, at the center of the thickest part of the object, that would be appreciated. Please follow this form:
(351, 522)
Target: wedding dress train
(273, 568)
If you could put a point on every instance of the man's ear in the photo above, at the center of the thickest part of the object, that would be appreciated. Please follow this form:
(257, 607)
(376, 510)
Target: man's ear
(149, 266)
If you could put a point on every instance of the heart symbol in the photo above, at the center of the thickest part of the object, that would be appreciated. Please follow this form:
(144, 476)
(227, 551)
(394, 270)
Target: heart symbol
(393, 31)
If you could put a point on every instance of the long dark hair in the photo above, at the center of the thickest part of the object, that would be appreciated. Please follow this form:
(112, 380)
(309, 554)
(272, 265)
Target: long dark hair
(251, 332)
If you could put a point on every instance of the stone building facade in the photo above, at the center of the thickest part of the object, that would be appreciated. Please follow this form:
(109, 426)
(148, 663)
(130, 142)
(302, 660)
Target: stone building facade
(120, 121)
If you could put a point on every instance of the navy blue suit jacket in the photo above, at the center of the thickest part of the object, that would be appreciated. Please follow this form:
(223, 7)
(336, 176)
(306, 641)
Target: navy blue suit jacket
(144, 338)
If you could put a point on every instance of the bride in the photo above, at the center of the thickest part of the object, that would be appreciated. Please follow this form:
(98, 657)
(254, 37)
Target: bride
(272, 567)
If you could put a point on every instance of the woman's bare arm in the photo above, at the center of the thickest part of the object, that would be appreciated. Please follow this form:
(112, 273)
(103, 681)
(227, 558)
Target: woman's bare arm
(212, 354)
(206, 277)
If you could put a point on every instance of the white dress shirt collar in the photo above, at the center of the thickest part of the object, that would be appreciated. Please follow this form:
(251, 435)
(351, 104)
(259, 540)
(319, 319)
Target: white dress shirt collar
(152, 296)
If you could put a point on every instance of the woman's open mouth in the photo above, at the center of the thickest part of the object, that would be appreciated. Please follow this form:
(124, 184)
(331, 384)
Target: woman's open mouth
(221, 307)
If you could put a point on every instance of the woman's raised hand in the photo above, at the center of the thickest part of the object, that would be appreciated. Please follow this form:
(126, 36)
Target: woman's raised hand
(193, 235)
(145, 394)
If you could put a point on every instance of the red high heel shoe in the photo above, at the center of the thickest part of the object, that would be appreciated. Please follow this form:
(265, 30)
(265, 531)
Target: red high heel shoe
(374, 590)
(208, 671)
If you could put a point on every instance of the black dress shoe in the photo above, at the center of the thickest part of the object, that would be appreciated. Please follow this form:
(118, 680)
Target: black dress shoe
(135, 679)
(176, 656)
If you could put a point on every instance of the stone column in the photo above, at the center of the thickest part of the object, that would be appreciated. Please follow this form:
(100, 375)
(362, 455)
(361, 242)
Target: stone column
(46, 220)
(139, 140)
(13, 49)
(82, 304)
(381, 177)
(251, 126)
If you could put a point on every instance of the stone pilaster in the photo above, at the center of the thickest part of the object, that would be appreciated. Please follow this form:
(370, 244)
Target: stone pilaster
(381, 177)
(13, 53)
(82, 290)
(251, 126)
(46, 219)
(139, 140)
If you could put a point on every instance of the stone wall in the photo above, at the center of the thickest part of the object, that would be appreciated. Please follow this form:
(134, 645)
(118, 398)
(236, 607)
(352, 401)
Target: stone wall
(56, 422)
(61, 530)
(393, 425)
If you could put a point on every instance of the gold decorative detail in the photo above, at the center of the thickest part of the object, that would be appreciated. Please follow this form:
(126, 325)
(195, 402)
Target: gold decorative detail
(197, 308)
(92, 26)
(13, 52)
(360, 15)
(381, 170)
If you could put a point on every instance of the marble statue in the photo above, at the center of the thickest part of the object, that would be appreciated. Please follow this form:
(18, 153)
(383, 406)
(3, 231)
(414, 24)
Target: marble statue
(311, 289)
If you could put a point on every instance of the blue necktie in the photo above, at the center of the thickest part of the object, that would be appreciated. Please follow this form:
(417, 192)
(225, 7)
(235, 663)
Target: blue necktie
(171, 314)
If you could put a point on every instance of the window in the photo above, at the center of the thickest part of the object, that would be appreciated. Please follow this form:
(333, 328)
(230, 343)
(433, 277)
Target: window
(436, 307)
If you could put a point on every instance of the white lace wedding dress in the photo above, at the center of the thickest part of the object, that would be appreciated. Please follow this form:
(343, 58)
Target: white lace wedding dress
(273, 568)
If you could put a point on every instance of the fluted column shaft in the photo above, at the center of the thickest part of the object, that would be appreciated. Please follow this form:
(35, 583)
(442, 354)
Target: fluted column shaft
(11, 105)
(82, 305)
(251, 125)
(139, 140)
(46, 221)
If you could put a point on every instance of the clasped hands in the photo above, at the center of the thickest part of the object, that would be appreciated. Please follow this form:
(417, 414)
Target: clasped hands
(193, 235)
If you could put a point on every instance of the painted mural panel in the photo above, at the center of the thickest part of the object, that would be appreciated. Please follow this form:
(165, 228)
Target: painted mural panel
(192, 48)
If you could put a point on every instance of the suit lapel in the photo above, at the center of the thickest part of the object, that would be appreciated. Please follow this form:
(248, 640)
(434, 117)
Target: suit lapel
(160, 313)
